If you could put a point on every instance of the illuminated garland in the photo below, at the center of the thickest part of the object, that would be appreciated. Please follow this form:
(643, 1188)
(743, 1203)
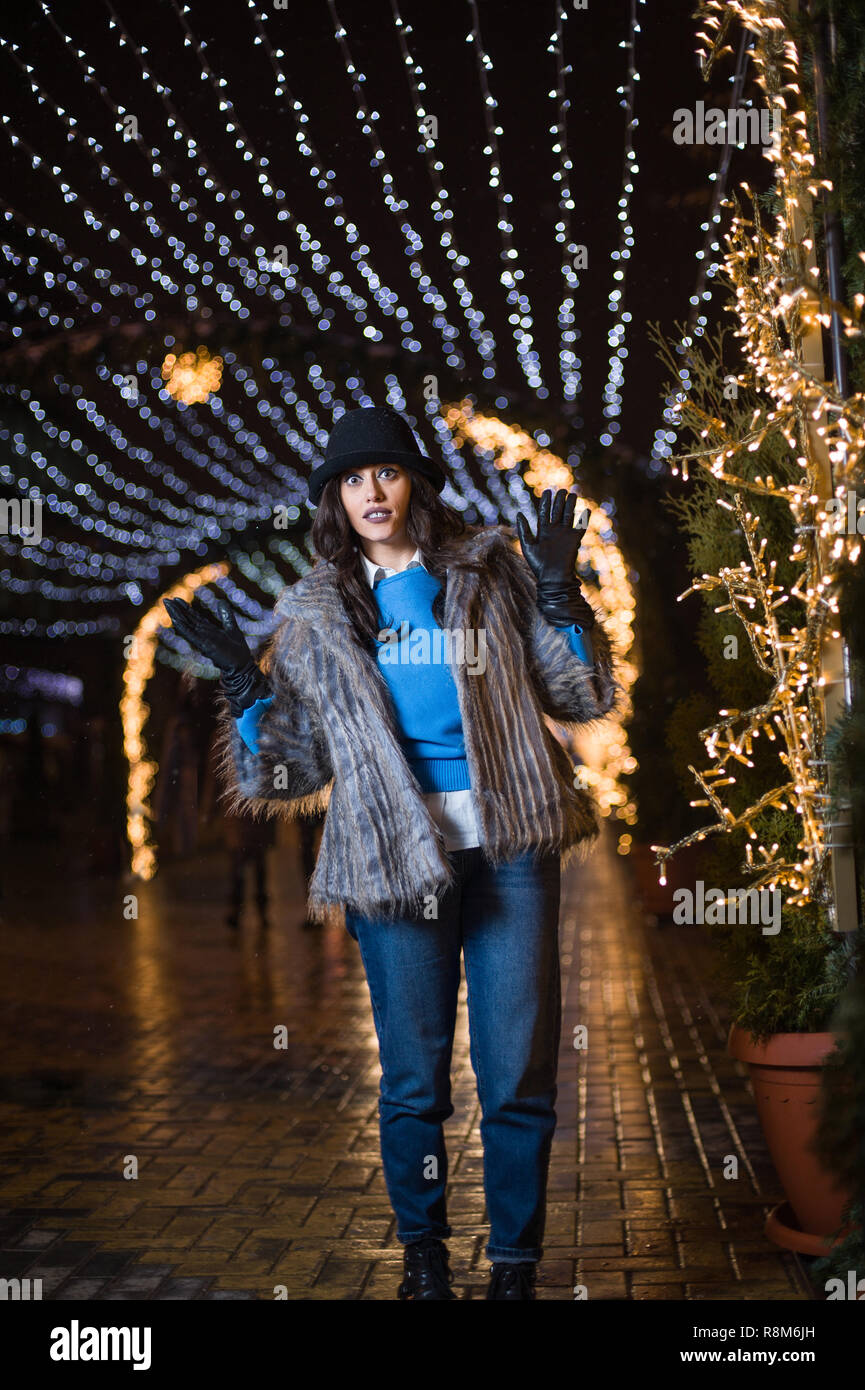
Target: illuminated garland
(777, 303)
(709, 266)
(569, 334)
(133, 712)
(219, 466)
(616, 299)
(192, 377)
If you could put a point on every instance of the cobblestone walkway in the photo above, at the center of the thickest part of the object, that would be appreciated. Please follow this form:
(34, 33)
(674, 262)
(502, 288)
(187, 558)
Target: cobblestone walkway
(151, 1042)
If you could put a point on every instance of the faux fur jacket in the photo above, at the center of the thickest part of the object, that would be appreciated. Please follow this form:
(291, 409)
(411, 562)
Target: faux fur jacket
(330, 741)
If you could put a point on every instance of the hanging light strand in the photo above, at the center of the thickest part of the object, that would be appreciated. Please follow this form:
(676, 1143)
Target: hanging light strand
(614, 387)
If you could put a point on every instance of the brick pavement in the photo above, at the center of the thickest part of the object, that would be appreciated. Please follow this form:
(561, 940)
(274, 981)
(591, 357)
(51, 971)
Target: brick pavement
(151, 1041)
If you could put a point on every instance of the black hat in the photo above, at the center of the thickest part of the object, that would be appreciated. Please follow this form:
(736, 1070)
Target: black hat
(371, 435)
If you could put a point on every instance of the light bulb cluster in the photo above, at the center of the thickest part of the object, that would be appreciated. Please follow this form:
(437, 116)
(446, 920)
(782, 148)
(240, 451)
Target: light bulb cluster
(777, 303)
(398, 207)
(192, 377)
(387, 299)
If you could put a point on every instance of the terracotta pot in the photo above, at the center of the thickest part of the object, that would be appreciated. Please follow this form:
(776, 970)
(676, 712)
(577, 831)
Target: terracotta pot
(785, 1074)
(682, 872)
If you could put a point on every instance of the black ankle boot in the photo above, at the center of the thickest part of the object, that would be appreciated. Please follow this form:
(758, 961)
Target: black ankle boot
(512, 1280)
(426, 1273)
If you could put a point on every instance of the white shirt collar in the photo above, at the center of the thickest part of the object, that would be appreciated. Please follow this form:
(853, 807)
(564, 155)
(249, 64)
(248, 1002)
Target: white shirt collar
(372, 569)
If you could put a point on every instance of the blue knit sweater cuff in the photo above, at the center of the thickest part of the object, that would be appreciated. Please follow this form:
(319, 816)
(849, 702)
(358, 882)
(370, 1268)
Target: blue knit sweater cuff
(581, 643)
(247, 724)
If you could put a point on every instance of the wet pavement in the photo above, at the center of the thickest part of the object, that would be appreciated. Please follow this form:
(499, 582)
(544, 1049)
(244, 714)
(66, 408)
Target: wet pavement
(190, 1113)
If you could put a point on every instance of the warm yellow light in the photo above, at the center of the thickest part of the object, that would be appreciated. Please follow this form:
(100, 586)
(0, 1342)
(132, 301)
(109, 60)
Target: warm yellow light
(140, 661)
(775, 302)
(193, 376)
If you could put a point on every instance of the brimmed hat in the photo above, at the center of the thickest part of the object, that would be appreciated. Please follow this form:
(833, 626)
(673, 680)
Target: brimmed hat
(367, 436)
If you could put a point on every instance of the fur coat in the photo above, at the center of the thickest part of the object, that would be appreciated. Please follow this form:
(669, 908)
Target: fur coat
(330, 738)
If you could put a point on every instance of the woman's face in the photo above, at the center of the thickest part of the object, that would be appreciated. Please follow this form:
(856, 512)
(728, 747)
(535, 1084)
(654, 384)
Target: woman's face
(376, 501)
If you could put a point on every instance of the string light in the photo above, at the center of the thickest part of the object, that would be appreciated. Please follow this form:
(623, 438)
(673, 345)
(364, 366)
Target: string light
(521, 316)
(231, 439)
(432, 296)
(133, 713)
(709, 266)
(776, 304)
(440, 206)
(193, 376)
(218, 262)
(616, 337)
(149, 479)
(569, 363)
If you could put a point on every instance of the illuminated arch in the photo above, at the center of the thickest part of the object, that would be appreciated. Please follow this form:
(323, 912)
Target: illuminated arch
(604, 749)
(140, 663)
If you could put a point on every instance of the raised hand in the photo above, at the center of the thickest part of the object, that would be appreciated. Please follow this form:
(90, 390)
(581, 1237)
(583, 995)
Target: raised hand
(552, 557)
(221, 642)
(224, 645)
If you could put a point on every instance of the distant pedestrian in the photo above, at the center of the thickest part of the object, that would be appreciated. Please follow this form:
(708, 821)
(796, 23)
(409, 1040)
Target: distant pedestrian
(176, 803)
(248, 841)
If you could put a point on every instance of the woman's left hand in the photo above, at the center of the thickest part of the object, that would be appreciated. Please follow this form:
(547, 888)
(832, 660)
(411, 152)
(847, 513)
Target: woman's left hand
(552, 557)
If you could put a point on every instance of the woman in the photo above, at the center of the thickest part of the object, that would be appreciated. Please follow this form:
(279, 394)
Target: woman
(451, 805)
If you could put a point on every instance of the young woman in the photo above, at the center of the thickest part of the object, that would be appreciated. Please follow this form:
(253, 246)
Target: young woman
(405, 690)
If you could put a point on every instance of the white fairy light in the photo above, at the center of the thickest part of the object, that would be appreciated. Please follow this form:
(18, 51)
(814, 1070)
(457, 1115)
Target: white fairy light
(441, 208)
(143, 481)
(616, 337)
(521, 310)
(708, 266)
(569, 362)
(431, 297)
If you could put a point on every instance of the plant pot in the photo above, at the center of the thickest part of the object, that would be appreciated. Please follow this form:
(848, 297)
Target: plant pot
(785, 1075)
(682, 872)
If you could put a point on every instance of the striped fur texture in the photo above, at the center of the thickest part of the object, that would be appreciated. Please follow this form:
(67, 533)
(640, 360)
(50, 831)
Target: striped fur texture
(330, 739)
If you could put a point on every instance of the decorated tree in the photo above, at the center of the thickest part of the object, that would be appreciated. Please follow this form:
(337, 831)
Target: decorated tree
(774, 530)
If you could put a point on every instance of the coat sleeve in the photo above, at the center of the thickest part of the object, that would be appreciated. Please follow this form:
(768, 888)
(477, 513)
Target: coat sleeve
(290, 770)
(570, 690)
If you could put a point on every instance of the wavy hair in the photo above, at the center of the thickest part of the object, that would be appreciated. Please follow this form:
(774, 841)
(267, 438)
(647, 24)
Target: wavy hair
(436, 529)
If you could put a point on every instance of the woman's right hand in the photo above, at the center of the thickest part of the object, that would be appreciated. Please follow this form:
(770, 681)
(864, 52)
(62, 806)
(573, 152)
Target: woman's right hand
(224, 645)
(221, 642)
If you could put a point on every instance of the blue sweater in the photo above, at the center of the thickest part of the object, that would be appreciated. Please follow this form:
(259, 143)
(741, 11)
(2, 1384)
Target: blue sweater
(420, 682)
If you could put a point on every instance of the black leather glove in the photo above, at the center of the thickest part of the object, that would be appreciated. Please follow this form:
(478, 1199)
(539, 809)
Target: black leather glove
(552, 557)
(225, 647)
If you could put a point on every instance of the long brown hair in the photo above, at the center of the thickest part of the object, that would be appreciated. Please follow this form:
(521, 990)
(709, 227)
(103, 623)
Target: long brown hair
(431, 525)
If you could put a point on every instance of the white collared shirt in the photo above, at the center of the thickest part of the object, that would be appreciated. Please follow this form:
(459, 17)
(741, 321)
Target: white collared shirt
(375, 572)
(453, 812)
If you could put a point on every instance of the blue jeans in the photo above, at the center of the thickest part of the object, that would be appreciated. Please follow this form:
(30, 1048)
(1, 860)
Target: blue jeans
(505, 921)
